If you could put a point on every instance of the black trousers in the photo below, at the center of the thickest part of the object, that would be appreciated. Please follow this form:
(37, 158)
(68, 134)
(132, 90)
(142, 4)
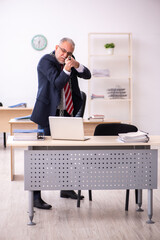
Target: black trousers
(37, 194)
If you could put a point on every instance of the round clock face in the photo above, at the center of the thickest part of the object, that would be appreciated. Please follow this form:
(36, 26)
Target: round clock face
(39, 42)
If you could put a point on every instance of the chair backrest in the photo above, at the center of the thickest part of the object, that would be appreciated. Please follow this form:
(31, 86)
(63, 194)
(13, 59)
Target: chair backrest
(81, 110)
(1, 105)
(113, 129)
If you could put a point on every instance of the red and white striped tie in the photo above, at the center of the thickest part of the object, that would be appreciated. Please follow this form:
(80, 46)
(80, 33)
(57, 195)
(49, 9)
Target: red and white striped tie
(68, 98)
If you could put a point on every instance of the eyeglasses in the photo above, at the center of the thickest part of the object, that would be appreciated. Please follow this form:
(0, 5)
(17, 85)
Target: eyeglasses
(65, 51)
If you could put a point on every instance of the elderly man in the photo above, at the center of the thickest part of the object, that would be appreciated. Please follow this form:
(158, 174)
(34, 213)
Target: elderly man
(58, 94)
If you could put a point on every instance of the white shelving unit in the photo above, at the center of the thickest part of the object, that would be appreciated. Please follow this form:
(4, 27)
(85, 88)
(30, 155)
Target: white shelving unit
(115, 84)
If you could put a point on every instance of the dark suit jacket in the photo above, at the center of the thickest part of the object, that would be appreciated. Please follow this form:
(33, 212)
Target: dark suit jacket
(51, 80)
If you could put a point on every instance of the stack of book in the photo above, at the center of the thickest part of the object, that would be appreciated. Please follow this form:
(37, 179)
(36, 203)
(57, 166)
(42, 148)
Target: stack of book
(93, 96)
(28, 134)
(97, 117)
(138, 136)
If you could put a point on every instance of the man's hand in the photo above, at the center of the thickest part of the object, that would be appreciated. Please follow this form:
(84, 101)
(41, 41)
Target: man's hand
(69, 63)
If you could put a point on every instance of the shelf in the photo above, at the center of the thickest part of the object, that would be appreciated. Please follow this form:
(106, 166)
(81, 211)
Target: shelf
(117, 70)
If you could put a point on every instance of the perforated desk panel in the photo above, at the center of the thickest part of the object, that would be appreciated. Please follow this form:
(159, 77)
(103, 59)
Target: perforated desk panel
(90, 169)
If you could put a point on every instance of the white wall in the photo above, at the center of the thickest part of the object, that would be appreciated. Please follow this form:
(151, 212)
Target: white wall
(20, 20)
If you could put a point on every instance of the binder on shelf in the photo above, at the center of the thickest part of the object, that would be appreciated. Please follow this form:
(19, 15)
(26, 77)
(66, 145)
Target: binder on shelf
(28, 134)
(23, 105)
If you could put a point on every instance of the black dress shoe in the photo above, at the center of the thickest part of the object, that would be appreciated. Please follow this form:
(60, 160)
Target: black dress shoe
(69, 194)
(39, 203)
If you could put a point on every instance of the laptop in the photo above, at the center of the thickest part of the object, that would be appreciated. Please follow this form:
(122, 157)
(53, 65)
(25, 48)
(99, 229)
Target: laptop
(67, 128)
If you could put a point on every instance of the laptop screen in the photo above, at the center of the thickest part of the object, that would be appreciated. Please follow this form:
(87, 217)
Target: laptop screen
(67, 128)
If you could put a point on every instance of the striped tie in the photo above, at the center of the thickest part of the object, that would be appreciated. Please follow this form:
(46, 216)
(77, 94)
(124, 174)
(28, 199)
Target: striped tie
(68, 98)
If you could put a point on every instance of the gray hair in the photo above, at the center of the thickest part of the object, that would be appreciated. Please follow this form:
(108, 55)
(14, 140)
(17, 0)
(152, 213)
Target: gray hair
(67, 40)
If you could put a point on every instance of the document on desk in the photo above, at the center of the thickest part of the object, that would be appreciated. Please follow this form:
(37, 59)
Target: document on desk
(138, 136)
(28, 134)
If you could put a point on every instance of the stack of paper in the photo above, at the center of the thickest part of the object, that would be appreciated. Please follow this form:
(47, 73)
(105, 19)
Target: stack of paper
(28, 134)
(138, 136)
(101, 73)
(117, 93)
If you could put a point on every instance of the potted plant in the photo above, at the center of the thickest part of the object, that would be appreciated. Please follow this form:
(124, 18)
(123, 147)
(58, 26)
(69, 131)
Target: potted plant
(110, 48)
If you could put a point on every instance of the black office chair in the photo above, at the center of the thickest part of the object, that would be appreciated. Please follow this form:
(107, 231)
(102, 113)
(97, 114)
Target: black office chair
(4, 134)
(113, 129)
(82, 109)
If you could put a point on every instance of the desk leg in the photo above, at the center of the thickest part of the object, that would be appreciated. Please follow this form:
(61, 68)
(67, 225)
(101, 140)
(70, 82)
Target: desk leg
(4, 139)
(79, 198)
(140, 201)
(31, 210)
(150, 206)
(12, 164)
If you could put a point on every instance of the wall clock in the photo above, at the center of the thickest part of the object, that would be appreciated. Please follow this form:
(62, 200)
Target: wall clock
(39, 42)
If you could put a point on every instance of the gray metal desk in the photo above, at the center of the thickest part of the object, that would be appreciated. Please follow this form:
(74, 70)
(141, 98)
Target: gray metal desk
(99, 163)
